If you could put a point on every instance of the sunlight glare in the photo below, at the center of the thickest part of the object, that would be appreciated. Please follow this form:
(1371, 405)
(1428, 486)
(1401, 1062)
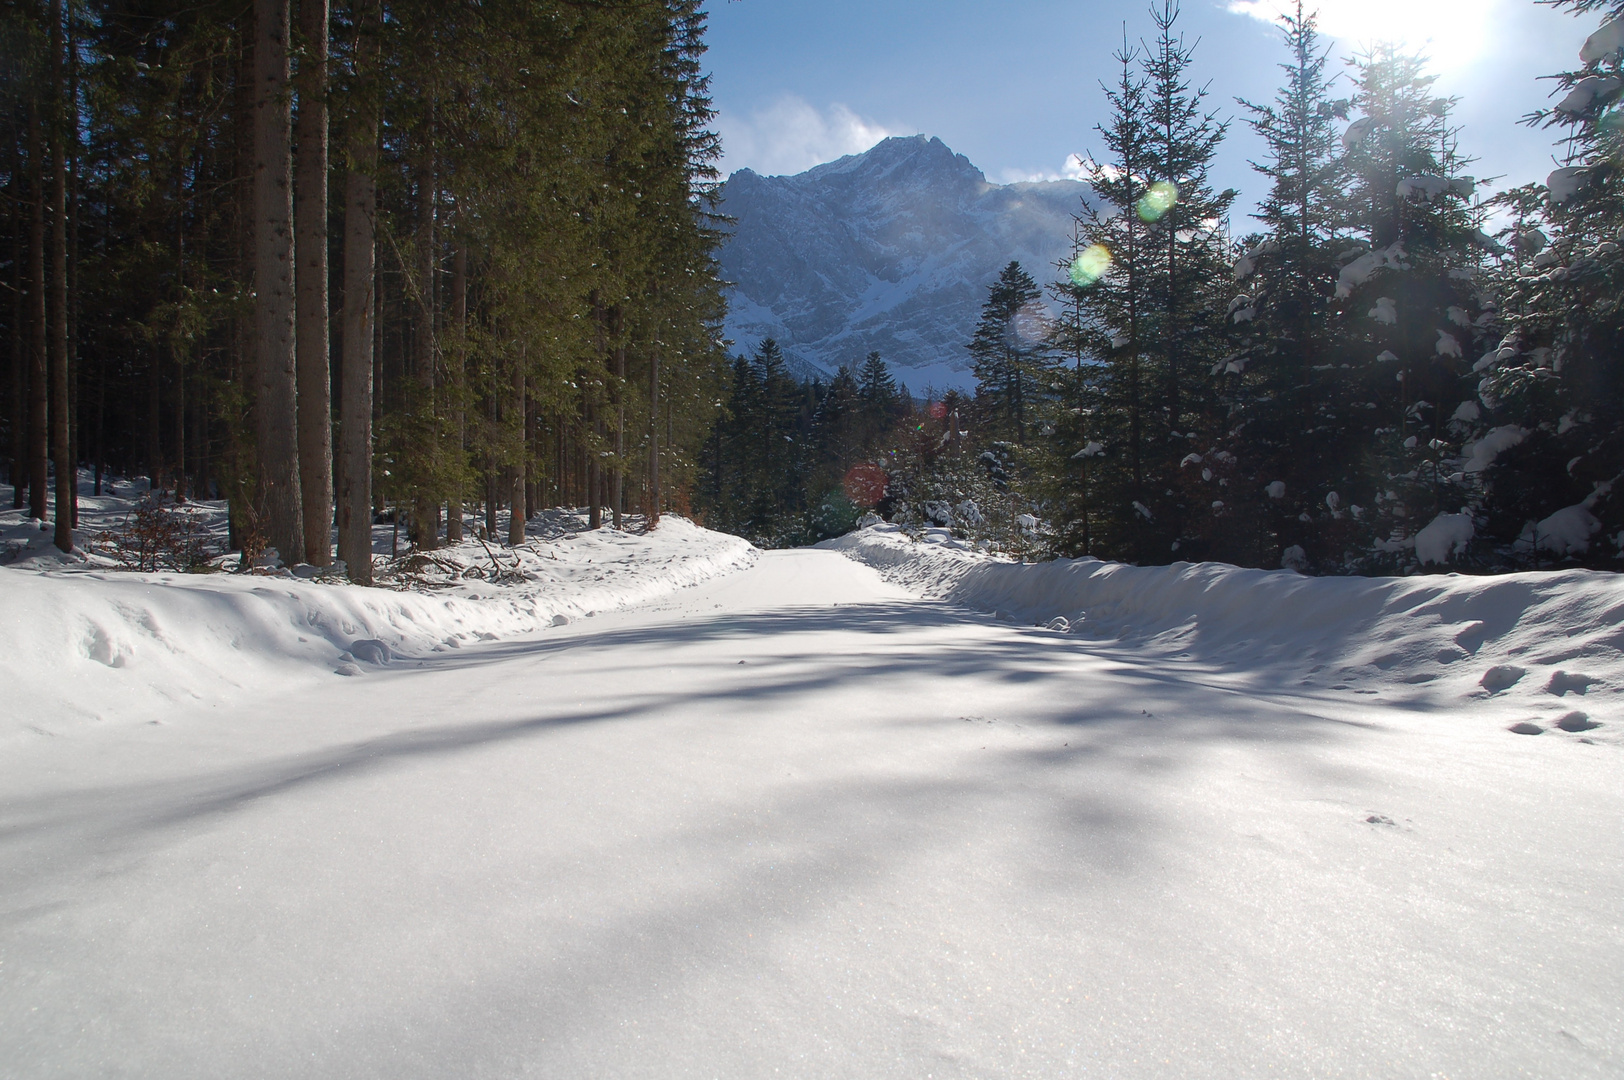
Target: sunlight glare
(1452, 33)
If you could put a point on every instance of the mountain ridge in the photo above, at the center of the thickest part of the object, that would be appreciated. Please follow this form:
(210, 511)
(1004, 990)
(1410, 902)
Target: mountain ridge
(886, 251)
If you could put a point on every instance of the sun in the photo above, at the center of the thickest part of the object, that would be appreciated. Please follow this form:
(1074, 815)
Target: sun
(1453, 34)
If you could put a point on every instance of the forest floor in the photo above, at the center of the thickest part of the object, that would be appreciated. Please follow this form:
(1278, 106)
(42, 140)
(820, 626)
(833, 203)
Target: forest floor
(788, 816)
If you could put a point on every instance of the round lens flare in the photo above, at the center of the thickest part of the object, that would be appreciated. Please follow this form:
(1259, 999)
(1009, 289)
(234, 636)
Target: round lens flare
(864, 484)
(1093, 264)
(1154, 204)
(938, 410)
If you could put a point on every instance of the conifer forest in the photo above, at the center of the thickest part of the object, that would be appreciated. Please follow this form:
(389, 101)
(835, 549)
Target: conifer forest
(424, 263)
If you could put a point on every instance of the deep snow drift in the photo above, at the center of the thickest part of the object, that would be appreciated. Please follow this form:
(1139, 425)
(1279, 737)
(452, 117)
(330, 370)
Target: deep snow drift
(1544, 646)
(84, 642)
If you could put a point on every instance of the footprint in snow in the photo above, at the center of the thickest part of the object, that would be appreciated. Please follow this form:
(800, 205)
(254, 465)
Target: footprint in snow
(1501, 677)
(1525, 728)
(1577, 721)
(1380, 819)
(1563, 682)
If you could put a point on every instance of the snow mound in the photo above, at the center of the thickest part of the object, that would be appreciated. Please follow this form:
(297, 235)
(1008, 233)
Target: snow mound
(1469, 637)
(84, 645)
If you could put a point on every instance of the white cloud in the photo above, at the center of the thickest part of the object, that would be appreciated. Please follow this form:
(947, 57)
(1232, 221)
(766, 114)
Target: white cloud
(791, 136)
(1454, 33)
(1073, 168)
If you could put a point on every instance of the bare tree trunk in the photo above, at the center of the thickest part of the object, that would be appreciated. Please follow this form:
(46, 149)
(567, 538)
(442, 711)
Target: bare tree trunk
(360, 263)
(459, 388)
(617, 482)
(310, 225)
(76, 426)
(653, 514)
(18, 474)
(67, 473)
(38, 401)
(276, 393)
(516, 519)
(426, 501)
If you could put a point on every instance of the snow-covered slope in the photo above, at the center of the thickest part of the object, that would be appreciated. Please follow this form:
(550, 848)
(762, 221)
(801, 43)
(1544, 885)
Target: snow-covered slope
(1540, 645)
(890, 250)
(85, 645)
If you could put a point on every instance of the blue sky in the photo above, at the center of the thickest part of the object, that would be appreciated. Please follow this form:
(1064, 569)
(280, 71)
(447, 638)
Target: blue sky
(1014, 84)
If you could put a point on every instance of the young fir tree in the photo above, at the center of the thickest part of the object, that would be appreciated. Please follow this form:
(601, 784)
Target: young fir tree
(1012, 357)
(881, 400)
(1554, 388)
(1189, 259)
(1276, 384)
(1104, 449)
(1408, 319)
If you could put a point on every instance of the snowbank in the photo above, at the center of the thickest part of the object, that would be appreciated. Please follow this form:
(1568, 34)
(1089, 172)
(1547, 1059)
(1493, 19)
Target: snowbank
(81, 645)
(1557, 633)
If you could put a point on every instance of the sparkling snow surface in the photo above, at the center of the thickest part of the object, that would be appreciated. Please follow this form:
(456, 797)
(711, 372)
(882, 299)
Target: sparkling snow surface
(798, 821)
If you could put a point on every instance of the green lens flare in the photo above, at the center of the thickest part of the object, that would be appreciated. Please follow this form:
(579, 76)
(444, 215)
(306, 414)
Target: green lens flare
(1157, 201)
(1090, 266)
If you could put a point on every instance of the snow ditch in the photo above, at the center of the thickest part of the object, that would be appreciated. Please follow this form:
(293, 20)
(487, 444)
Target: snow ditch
(1533, 638)
(84, 645)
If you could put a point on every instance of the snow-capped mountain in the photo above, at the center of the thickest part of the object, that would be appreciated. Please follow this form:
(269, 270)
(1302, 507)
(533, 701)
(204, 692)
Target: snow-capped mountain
(890, 250)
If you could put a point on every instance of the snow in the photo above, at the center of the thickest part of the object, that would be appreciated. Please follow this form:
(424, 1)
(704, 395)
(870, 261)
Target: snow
(1481, 453)
(1605, 43)
(1563, 184)
(86, 645)
(1448, 344)
(1586, 92)
(1385, 311)
(1363, 268)
(1444, 537)
(1568, 530)
(1428, 188)
(1358, 132)
(890, 810)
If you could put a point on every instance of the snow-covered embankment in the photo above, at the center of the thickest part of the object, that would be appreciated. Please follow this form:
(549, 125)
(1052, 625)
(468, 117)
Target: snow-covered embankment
(1535, 638)
(80, 645)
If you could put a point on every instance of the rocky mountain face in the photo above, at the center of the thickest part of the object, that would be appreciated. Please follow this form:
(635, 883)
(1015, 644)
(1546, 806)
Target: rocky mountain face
(890, 250)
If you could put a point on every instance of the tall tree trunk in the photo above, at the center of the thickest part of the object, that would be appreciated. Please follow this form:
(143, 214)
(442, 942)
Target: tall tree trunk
(39, 373)
(67, 473)
(426, 500)
(459, 387)
(178, 347)
(310, 225)
(653, 512)
(276, 394)
(360, 289)
(75, 389)
(516, 519)
(617, 483)
(18, 474)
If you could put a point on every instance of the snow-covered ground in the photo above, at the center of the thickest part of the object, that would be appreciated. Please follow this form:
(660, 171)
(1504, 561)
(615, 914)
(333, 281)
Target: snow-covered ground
(802, 820)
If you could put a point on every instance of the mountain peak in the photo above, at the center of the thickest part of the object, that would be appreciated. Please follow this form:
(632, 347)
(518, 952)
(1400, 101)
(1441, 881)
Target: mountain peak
(910, 155)
(889, 250)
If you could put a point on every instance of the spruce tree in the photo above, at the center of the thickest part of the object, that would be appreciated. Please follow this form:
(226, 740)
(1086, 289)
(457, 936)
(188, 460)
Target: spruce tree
(1012, 356)
(1408, 319)
(1277, 385)
(1554, 386)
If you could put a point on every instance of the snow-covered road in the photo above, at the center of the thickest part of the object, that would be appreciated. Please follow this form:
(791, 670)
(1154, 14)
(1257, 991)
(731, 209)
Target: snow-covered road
(797, 822)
